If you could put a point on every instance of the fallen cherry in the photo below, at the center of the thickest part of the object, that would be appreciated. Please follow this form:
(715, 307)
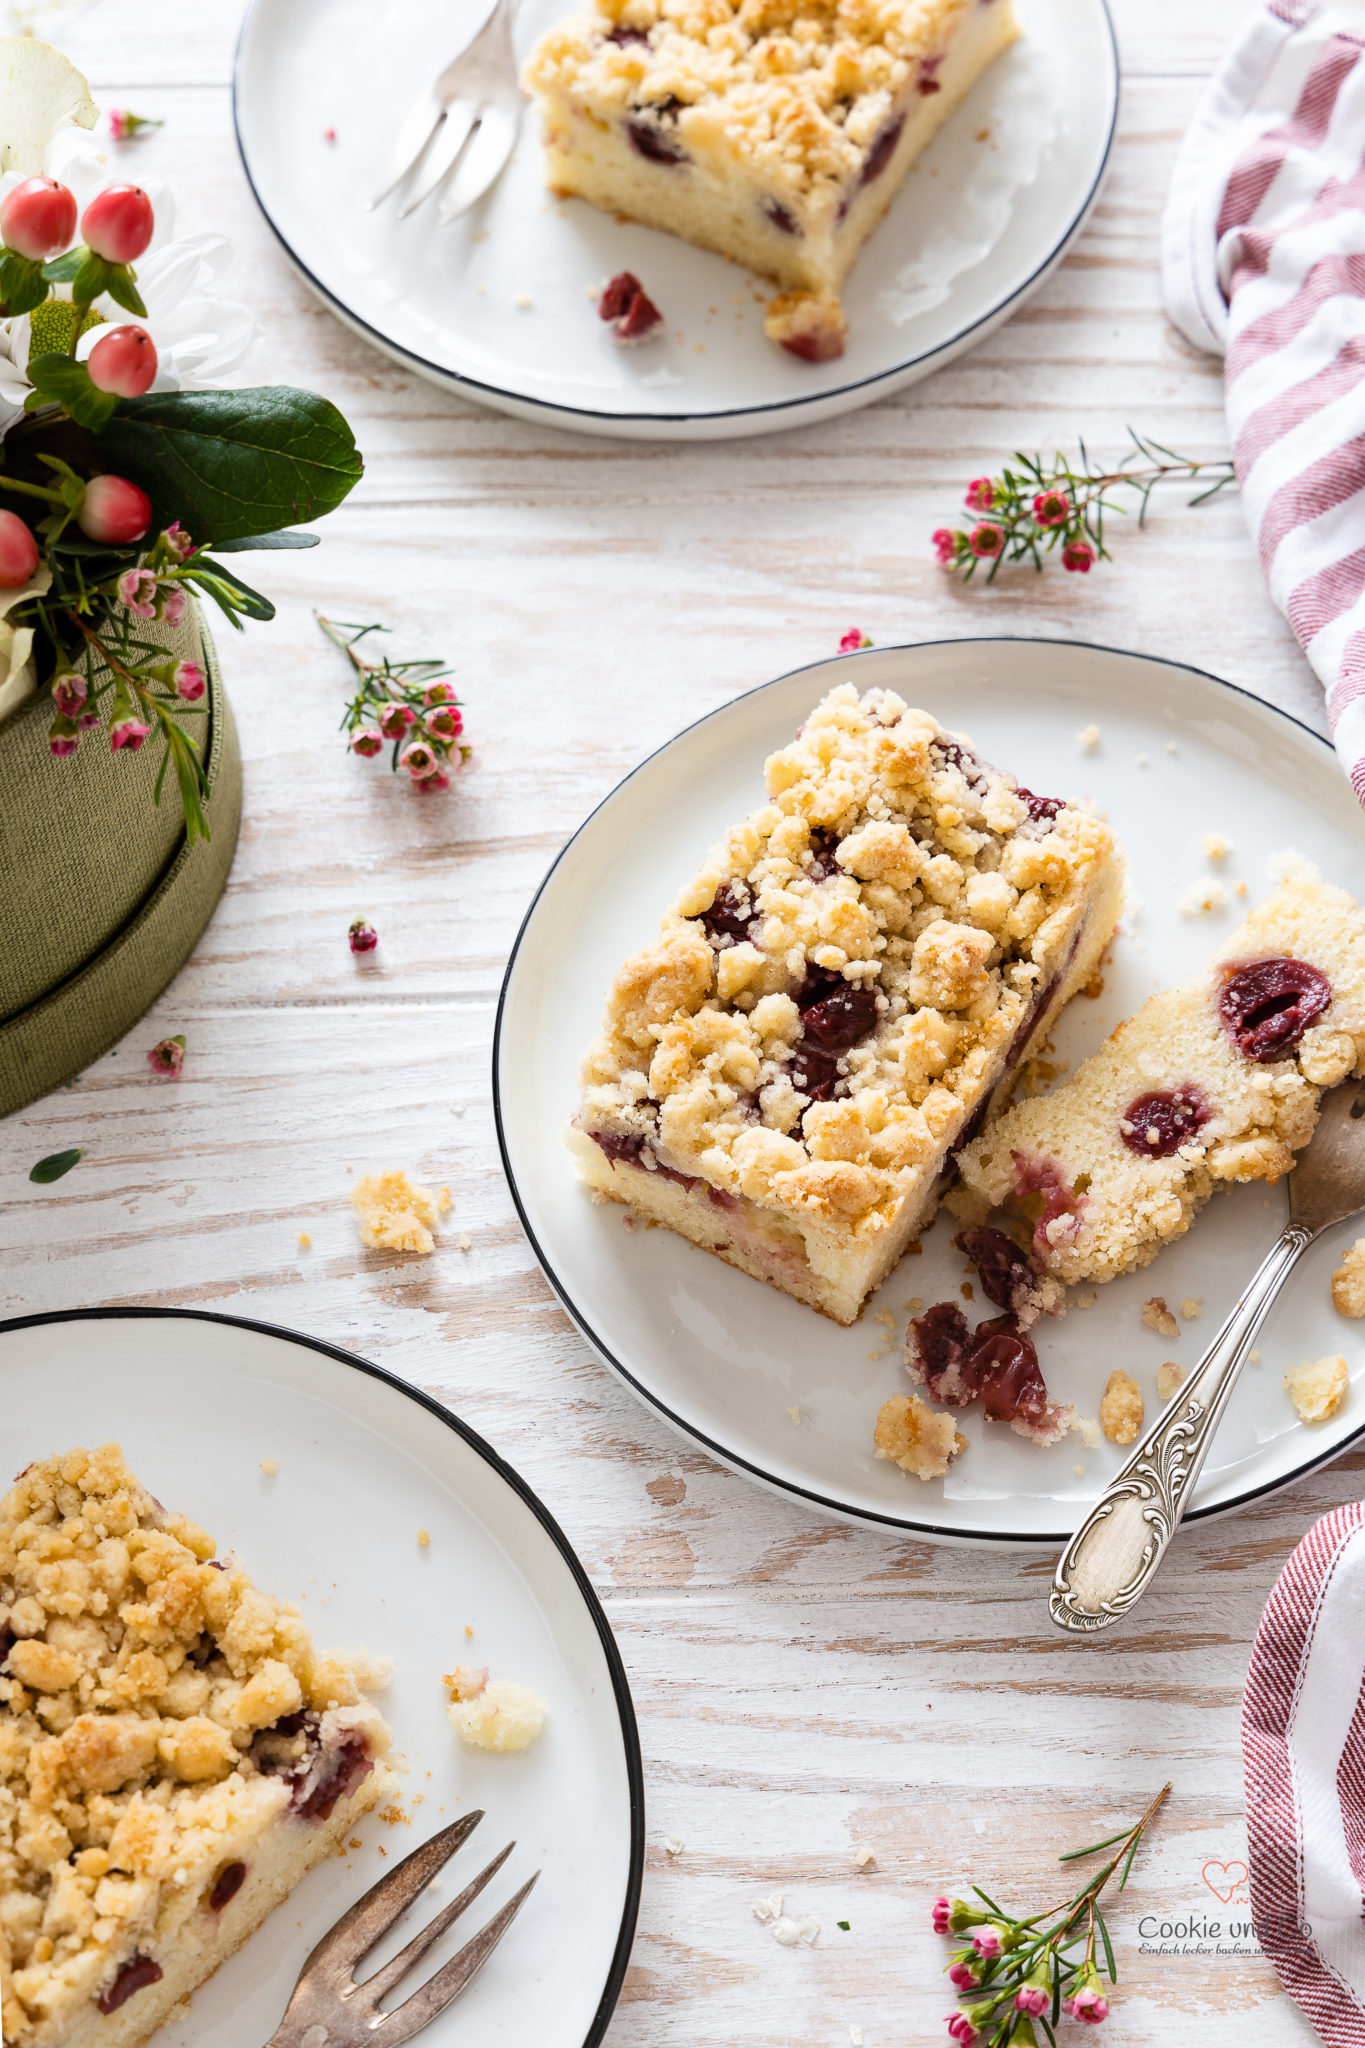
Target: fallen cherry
(626, 304)
(18, 552)
(123, 362)
(118, 223)
(362, 936)
(38, 219)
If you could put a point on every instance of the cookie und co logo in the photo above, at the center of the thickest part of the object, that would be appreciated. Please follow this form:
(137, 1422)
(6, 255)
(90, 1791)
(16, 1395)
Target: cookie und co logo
(1227, 1881)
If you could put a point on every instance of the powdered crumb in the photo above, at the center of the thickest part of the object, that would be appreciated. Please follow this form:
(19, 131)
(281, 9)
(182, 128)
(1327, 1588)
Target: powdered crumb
(1201, 897)
(463, 1242)
(628, 1222)
(1215, 846)
(913, 1436)
(1121, 1409)
(794, 1417)
(1156, 1316)
(523, 302)
(1316, 1387)
(394, 1213)
(444, 1201)
(304, 1240)
(1084, 1301)
(916, 1304)
(1089, 1431)
(855, 2034)
(1192, 1306)
(493, 1713)
(1141, 760)
(1239, 888)
(424, 1538)
(1253, 1358)
(469, 1628)
(1168, 1378)
(1348, 1282)
(457, 1109)
(270, 1466)
(674, 1845)
(1088, 737)
(865, 1859)
(1079, 1471)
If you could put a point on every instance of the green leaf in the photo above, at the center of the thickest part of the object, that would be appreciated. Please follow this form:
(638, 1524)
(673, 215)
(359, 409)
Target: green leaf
(238, 597)
(281, 538)
(122, 289)
(231, 464)
(22, 284)
(61, 381)
(55, 1165)
(91, 277)
(1108, 1946)
(62, 269)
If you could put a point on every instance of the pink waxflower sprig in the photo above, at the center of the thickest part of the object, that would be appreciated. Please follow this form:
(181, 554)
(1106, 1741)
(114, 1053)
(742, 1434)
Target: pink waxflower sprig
(1035, 508)
(403, 704)
(1014, 1972)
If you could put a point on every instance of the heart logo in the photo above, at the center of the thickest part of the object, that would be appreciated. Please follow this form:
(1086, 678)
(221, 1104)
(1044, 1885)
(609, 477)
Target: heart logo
(1223, 1879)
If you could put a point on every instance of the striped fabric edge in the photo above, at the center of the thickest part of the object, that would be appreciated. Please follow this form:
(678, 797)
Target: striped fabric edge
(1279, 1659)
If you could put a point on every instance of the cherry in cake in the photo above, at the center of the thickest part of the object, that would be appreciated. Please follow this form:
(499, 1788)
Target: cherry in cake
(174, 1755)
(783, 1074)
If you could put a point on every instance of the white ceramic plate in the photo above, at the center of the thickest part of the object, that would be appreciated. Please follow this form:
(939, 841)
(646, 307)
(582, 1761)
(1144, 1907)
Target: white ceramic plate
(725, 1358)
(197, 1402)
(975, 229)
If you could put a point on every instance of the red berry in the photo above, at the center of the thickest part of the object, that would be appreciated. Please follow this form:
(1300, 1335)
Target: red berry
(118, 223)
(114, 511)
(38, 219)
(18, 552)
(123, 361)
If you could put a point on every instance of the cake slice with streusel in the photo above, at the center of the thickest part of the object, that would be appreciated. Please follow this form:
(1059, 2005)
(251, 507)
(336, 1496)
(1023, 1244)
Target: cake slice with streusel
(174, 1755)
(834, 999)
(1213, 1082)
(776, 132)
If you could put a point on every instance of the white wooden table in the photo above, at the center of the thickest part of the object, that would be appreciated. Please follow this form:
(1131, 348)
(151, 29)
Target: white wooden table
(803, 1688)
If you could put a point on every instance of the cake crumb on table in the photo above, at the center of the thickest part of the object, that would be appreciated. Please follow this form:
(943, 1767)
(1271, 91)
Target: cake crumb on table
(394, 1213)
(674, 1845)
(1192, 1306)
(1169, 1377)
(1316, 1387)
(1171, 747)
(463, 1242)
(913, 1436)
(1122, 1409)
(1156, 1316)
(865, 1859)
(304, 1240)
(1348, 1282)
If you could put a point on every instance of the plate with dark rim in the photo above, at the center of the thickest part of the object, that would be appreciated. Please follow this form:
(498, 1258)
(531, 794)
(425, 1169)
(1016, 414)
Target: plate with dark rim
(198, 1401)
(497, 306)
(769, 1387)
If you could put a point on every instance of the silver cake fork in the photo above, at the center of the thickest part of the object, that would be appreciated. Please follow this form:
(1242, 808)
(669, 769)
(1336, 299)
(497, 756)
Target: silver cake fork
(330, 2010)
(1113, 1556)
(470, 116)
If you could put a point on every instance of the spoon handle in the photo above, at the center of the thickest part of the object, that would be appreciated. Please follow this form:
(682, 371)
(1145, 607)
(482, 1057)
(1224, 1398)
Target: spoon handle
(1113, 1556)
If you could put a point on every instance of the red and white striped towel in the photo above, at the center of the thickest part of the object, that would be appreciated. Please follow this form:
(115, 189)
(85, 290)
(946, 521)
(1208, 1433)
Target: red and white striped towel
(1303, 1743)
(1263, 262)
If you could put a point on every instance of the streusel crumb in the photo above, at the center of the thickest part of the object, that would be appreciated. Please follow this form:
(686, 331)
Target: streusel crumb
(395, 1214)
(1169, 1379)
(1122, 1410)
(1215, 846)
(1156, 1316)
(917, 1438)
(493, 1713)
(1088, 737)
(1348, 1282)
(1317, 1387)
(1191, 1306)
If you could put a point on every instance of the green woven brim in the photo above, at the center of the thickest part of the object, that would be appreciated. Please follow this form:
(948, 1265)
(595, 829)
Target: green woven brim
(76, 1021)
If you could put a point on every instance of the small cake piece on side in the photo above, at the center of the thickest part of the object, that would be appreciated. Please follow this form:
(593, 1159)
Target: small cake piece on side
(913, 1436)
(1214, 1082)
(174, 1755)
(493, 1713)
(1317, 1387)
(776, 132)
(782, 1075)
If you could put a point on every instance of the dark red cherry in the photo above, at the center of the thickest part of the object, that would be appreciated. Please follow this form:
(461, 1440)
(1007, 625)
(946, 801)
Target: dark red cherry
(732, 913)
(1006, 1366)
(137, 1973)
(1005, 1272)
(1159, 1123)
(653, 143)
(940, 1341)
(226, 1886)
(1267, 1005)
(882, 150)
(1044, 807)
(841, 1020)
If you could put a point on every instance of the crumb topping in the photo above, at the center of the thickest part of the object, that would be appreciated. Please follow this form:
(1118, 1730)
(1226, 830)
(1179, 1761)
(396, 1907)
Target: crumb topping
(395, 1214)
(910, 888)
(493, 1713)
(916, 1437)
(1317, 1387)
(1122, 1410)
(1169, 1379)
(798, 92)
(1348, 1282)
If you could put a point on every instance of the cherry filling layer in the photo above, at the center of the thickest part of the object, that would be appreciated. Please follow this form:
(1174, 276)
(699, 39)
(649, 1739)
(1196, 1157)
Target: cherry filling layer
(1041, 808)
(137, 1973)
(654, 142)
(830, 1027)
(995, 1364)
(781, 217)
(882, 150)
(317, 1782)
(1046, 1196)
(1267, 1005)
(1006, 1274)
(626, 1151)
(928, 80)
(732, 914)
(226, 1886)
(1157, 1124)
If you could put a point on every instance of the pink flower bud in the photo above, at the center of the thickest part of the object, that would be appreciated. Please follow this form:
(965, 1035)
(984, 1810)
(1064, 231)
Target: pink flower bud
(173, 601)
(980, 494)
(1087, 2002)
(177, 542)
(87, 719)
(439, 693)
(962, 2028)
(167, 1057)
(1032, 1999)
(123, 361)
(124, 124)
(395, 720)
(38, 219)
(962, 1976)
(18, 552)
(69, 694)
(64, 745)
(1078, 555)
(367, 741)
(945, 544)
(420, 759)
(363, 937)
(1052, 508)
(987, 539)
(189, 680)
(137, 588)
(432, 783)
(118, 223)
(446, 721)
(853, 641)
(941, 1911)
(986, 1942)
(129, 733)
(114, 511)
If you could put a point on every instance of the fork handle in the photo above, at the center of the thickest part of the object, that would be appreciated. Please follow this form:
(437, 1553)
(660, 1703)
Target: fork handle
(1114, 1555)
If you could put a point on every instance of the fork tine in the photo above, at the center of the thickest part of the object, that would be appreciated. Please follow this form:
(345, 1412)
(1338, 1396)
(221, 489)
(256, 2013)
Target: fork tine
(377, 1987)
(357, 1931)
(485, 157)
(436, 165)
(436, 1994)
(419, 125)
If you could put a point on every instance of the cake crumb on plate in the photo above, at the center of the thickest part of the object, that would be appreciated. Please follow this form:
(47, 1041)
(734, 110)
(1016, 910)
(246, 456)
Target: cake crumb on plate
(1316, 1387)
(1192, 1306)
(1168, 1377)
(1088, 736)
(1122, 1409)
(1156, 1316)
(493, 1713)
(913, 1436)
(270, 1466)
(1348, 1282)
(424, 1538)
(1215, 846)
(1202, 897)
